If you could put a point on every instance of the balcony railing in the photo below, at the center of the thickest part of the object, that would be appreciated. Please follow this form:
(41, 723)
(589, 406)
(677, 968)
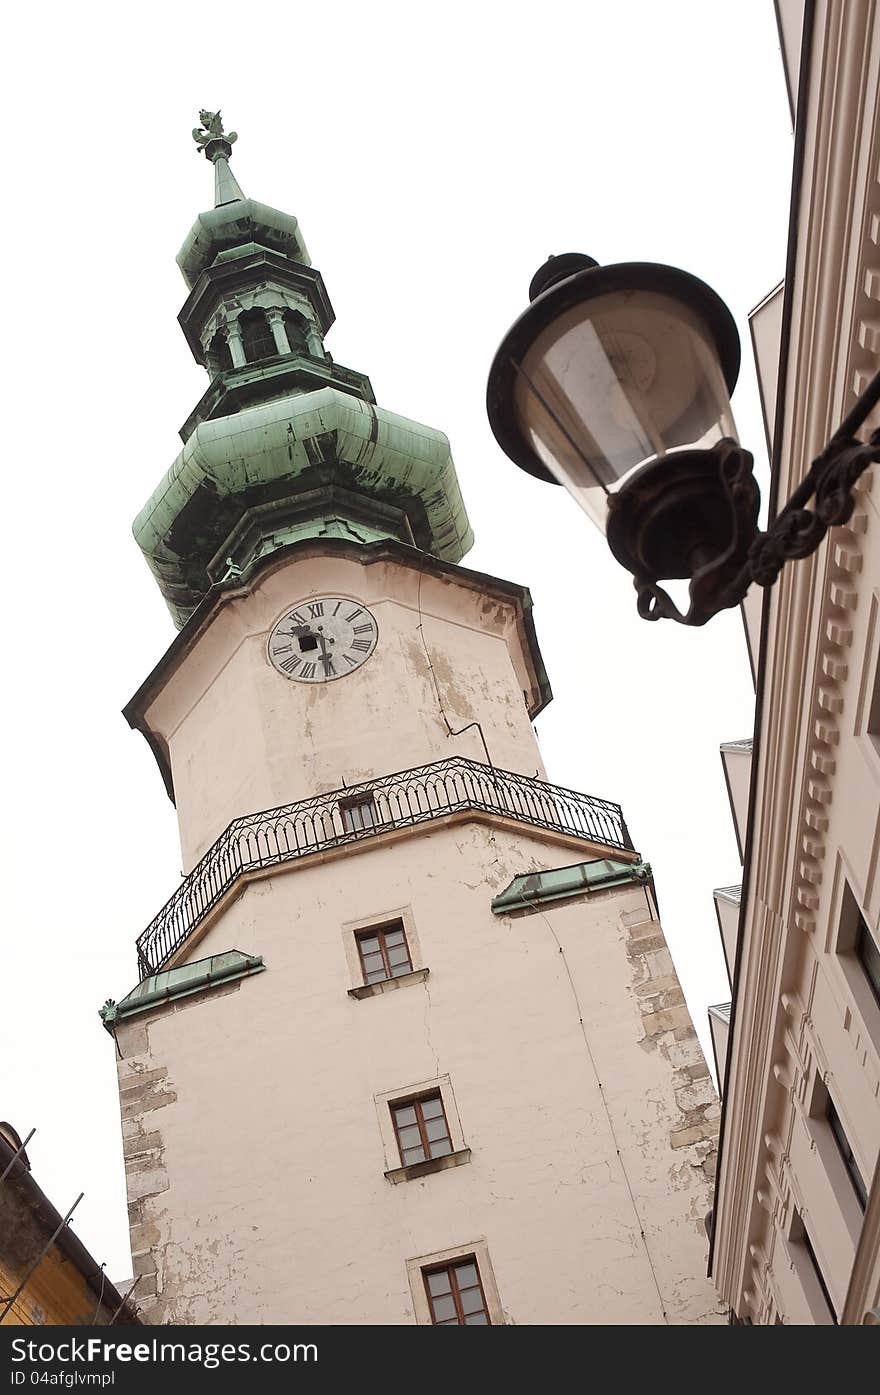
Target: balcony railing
(361, 812)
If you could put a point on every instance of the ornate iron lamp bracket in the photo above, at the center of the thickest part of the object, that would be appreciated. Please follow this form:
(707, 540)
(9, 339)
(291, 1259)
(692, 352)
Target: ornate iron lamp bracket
(796, 531)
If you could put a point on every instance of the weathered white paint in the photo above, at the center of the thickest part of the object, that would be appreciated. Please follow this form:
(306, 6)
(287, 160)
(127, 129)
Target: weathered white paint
(273, 1154)
(243, 738)
(257, 1148)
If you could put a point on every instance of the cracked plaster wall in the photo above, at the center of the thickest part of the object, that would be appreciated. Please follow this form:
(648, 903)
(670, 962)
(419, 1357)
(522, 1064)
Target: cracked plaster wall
(254, 1157)
(242, 738)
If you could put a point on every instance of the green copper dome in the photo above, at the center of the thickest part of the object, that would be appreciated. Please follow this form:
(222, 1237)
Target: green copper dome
(285, 443)
(293, 467)
(234, 225)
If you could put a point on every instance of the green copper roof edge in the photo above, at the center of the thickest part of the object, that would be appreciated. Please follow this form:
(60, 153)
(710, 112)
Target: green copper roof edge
(224, 591)
(518, 894)
(239, 965)
(228, 223)
(262, 445)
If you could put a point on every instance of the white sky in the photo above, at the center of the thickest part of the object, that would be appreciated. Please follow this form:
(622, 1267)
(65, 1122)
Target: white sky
(434, 158)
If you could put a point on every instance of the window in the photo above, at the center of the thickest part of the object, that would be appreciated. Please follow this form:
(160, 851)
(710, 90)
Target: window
(421, 1129)
(358, 814)
(874, 710)
(296, 337)
(859, 959)
(455, 1295)
(220, 354)
(868, 956)
(455, 1287)
(818, 1272)
(800, 1235)
(383, 952)
(256, 336)
(846, 1152)
(422, 1134)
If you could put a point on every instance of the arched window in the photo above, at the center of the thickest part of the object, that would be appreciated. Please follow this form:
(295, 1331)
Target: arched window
(296, 334)
(256, 336)
(218, 353)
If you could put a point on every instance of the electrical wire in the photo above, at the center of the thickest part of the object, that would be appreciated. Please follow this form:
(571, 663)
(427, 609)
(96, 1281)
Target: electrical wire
(449, 728)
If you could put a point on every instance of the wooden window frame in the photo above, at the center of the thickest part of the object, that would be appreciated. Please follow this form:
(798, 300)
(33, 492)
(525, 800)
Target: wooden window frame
(415, 1102)
(380, 916)
(397, 1171)
(476, 1247)
(449, 1268)
(378, 932)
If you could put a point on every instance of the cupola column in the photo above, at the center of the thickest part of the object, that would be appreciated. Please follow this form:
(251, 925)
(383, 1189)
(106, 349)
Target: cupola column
(315, 343)
(279, 331)
(236, 347)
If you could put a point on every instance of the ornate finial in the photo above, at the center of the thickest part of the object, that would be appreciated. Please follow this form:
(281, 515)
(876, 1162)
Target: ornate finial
(217, 145)
(108, 1014)
(212, 122)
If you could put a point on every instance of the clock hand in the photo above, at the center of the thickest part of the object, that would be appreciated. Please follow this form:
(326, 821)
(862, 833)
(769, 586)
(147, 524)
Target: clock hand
(325, 657)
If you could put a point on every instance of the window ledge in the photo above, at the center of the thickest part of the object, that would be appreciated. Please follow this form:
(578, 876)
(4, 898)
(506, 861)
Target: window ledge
(385, 985)
(409, 1174)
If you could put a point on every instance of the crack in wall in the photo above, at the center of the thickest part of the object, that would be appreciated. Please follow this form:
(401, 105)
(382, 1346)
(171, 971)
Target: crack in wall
(669, 1030)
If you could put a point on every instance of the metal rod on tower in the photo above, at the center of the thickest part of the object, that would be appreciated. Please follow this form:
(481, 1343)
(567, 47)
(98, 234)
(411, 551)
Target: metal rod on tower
(16, 1155)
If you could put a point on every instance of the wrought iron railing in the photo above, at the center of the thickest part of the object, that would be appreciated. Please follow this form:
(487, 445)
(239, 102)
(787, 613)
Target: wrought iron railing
(363, 811)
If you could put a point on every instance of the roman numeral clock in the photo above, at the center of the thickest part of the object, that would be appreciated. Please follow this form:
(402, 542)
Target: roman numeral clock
(319, 640)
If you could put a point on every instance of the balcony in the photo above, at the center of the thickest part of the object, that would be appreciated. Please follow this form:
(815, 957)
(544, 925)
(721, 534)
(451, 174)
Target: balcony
(360, 813)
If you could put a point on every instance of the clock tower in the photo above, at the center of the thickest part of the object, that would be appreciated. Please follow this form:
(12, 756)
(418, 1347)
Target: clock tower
(407, 1045)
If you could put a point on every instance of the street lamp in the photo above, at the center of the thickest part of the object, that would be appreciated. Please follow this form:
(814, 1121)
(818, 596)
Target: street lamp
(616, 383)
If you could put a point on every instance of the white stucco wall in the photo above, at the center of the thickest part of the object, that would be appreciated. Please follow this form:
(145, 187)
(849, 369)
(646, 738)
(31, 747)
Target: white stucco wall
(255, 1115)
(257, 1160)
(242, 737)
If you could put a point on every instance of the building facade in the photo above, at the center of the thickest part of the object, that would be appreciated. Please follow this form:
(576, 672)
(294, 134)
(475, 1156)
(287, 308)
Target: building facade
(797, 1209)
(408, 1045)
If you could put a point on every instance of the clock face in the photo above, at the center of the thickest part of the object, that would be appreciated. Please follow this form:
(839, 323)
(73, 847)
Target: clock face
(319, 640)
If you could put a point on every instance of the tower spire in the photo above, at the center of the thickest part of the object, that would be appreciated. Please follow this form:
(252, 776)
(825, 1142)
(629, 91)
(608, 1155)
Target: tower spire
(217, 147)
(326, 461)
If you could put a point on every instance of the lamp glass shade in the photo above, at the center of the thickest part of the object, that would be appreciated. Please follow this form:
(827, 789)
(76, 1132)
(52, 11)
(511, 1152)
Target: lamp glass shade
(614, 384)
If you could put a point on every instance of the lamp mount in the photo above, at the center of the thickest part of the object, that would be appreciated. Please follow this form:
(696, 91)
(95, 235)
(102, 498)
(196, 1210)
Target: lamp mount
(638, 512)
